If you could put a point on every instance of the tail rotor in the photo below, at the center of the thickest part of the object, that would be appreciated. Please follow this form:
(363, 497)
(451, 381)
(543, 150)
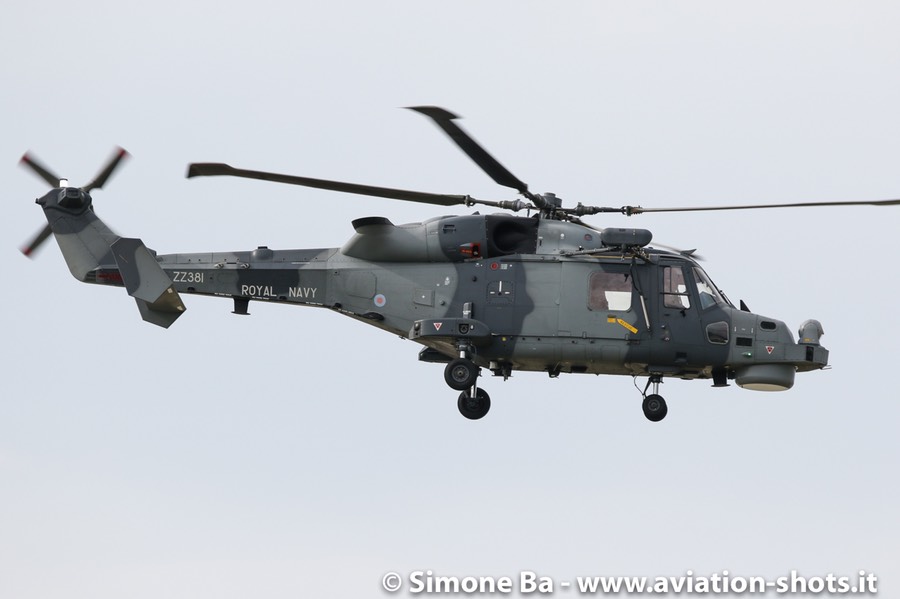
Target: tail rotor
(55, 181)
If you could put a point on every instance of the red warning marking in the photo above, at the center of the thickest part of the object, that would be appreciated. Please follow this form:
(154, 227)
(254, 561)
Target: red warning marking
(438, 325)
(770, 348)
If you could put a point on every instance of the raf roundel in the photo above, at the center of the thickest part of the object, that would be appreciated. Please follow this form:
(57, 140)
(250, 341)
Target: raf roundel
(380, 300)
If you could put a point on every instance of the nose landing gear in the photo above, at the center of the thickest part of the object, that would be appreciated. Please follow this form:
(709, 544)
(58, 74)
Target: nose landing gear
(654, 405)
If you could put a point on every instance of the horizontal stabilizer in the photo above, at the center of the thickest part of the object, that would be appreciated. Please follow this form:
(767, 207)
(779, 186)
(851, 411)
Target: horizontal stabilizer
(163, 312)
(147, 282)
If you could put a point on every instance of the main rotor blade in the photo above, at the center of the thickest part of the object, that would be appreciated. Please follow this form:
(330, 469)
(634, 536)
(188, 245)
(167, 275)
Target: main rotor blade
(212, 169)
(42, 171)
(37, 240)
(639, 210)
(103, 175)
(499, 173)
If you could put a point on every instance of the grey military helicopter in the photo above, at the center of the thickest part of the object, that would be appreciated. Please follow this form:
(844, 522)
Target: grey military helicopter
(501, 292)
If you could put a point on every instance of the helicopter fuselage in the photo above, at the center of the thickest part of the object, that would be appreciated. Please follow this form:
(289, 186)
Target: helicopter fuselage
(545, 292)
(515, 293)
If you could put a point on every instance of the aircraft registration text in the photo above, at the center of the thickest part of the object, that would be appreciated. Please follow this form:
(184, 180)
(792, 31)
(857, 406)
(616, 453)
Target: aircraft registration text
(181, 276)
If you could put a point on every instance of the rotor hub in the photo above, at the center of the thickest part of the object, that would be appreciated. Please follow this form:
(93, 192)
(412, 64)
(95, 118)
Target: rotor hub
(552, 202)
(72, 198)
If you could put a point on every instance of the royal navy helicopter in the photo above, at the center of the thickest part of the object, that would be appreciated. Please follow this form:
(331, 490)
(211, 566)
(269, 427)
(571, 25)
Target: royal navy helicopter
(501, 292)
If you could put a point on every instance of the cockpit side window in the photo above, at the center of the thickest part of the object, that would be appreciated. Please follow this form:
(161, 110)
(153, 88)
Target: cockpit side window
(609, 291)
(675, 291)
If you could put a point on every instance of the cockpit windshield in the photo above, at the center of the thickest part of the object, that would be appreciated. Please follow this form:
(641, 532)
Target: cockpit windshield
(709, 294)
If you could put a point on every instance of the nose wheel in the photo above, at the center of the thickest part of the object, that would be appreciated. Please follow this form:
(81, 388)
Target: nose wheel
(654, 406)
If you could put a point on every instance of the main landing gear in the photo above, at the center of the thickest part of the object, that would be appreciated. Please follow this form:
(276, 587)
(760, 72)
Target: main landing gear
(462, 375)
(654, 405)
(474, 406)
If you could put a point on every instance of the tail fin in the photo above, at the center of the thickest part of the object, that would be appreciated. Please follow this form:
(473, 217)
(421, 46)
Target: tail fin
(147, 283)
(91, 249)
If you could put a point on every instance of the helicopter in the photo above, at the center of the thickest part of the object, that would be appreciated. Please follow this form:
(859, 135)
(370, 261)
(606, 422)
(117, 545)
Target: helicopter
(499, 292)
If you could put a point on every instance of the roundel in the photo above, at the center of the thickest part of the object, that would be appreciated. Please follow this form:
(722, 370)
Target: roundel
(380, 300)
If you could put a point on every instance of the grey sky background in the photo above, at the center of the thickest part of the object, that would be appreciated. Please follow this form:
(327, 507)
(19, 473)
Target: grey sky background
(296, 453)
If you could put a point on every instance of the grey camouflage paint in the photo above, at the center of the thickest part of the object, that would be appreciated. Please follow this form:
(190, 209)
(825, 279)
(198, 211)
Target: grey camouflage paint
(516, 289)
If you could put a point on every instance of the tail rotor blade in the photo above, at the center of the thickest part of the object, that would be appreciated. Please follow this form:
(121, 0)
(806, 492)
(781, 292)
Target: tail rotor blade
(108, 170)
(36, 241)
(54, 181)
(42, 171)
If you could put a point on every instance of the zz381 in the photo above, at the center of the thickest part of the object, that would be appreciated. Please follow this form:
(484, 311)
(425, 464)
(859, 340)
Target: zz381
(187, 276)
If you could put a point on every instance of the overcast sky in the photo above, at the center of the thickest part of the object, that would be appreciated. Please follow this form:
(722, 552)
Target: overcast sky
(297, 453)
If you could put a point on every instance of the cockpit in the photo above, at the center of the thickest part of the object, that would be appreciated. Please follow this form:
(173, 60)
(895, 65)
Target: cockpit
(676, 282)
(708, 292)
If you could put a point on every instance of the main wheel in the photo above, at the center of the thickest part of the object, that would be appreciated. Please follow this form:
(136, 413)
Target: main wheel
(461, 374)
(655, 408)
(476, 407)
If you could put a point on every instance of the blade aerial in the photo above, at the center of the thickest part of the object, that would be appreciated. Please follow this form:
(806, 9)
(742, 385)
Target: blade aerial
(212, 169)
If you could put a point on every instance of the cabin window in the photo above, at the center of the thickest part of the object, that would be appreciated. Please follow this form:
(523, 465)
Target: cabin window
(610, 291)
(675, 291)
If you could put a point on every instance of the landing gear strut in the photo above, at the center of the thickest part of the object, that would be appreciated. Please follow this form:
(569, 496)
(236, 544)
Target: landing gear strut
(654, 405)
